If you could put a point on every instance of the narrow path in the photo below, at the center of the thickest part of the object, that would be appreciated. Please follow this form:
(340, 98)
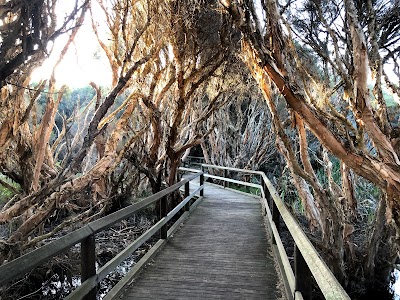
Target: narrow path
(220, 252)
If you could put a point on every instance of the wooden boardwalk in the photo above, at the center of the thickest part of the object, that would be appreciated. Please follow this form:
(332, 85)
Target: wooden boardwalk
(220, 252)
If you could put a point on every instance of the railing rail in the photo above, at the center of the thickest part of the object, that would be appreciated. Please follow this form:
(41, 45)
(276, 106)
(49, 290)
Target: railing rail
(307, 260)
(85, 235)
(193, 161)
(298, 284)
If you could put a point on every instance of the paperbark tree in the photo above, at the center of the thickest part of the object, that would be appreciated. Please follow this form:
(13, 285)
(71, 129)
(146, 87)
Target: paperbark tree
(159, 81)
(319, 59)
(49, 188)
(171, 85)
(170, 89)
(27, 28)
(243, 140)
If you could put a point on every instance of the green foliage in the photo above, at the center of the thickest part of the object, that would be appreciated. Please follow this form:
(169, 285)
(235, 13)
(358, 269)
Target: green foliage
(246, 189)
(289, 194)
(69, 101)
(71, 98)
(283, 187)
(389, 98)
(5, 193)
(367, 195)
(336, 174)
(297, 206)
(143, 194)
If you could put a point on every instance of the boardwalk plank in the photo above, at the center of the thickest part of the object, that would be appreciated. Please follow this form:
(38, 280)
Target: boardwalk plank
(220, 252)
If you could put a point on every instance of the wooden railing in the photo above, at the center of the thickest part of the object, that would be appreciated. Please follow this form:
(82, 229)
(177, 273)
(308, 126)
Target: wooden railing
(86, 236)
(193, 161)
(307, 261)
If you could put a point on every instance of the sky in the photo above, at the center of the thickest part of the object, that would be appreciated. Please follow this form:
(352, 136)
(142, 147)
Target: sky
(83, 63)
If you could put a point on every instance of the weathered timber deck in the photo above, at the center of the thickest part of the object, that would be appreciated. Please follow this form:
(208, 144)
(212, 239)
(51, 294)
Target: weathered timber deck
(220, 252)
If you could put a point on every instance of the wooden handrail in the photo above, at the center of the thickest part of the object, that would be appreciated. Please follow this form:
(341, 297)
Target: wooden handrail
(195, 157)
(22, 265)
(305, 251)
(193, 161)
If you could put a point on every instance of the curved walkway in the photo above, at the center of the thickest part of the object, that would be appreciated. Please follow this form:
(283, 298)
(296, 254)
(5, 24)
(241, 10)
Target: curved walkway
(220, 252)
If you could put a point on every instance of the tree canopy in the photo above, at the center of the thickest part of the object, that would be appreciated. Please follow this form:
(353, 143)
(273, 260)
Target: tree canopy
(240, 79)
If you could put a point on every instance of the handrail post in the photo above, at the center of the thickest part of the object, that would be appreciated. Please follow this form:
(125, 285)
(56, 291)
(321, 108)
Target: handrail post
(303, 275)
(163, 213)
(225, 176)
(202, 181)
(273, 208)
(88, 263)
(275, 216)
(266, 194)
(187, 205)
(202, 184)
